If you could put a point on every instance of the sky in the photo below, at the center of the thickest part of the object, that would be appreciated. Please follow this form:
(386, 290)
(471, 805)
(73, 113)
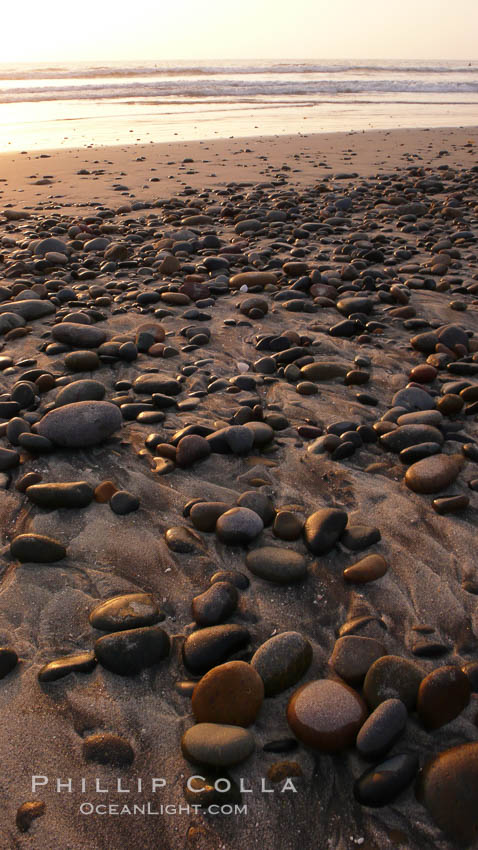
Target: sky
(95, 30)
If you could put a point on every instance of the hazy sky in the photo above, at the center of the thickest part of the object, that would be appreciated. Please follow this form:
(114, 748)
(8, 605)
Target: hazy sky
(57, 30)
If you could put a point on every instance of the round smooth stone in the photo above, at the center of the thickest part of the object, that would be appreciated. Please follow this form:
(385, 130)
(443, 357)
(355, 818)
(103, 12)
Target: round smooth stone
(127, 611)
(450, 404)
(122, 502)
(413, 398)
(448, 788)
(323, 529)
(370, 568)
(239, 580)
(215, 604)
(277, 564)
(442, 696)
(258, 502)
(191, 449)
(382, 784)
(78, 335)
(183, 540)
(129, 652)
(106, 748)
(204, 515)
(231, 693)
(81, 424)
(104, 491)
(281, 661)
(422, 450)
(82, 361)
(36, 548)
(382, 729)
(217, 744)
(84, 390)
(71, 494)
(83, 662)
(410, 435)
(434, 473)
(8, 660)
(235, 439)
(450, 504)
(287, 525)
(423, 373)
(392, 677)
(358, 537)
(211, 646)
(262, 433)
(239, 526)
(326, 715)
(353, 656)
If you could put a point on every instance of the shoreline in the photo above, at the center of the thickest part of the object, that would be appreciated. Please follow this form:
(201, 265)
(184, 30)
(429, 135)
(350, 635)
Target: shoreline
(149, 171)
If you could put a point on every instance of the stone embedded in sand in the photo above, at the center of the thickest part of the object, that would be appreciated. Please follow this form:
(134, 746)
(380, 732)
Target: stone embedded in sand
(323, 528)
(287, 525)
(84, 390)
(157, 383)
(413, 398)
(382, 784)
(78, 335)
(353, 656)
(237, 439)
(217, 744)
(8, 660)
(326, 715)
(129, 652)
(450, 504)
(410, 435)
(215, 604)
(191, 449)
(238, 526)
(71, 494)
(29, 310)
(262, 433)
(323, 370)
(281, 661)
(82, 361)
(123, 502)
(277, 564)
(230, 693)
(36, 548)
(83, 662)
(106, 748)
(204, 515)
(181, 539)
(442, 696)
(208, 647)
(358, 537)
(448, 788)
(254, 307)
(127, 611)
(382, 729)
(81, 424)
(8, 459)
(370, 568)
(434, 473)
(27, 813)
(392, 677)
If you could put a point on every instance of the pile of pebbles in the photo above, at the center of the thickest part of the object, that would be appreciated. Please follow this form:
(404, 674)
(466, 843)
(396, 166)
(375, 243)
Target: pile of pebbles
(210, 342)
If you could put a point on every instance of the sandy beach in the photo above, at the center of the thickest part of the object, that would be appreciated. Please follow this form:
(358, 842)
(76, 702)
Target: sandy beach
(147, 172)
(240, 393)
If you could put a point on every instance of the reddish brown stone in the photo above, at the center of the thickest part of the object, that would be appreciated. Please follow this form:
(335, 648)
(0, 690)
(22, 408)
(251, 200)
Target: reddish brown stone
(231, 693)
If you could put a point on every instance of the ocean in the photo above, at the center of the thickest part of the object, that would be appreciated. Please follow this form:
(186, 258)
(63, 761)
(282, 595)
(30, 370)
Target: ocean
(62, 106)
